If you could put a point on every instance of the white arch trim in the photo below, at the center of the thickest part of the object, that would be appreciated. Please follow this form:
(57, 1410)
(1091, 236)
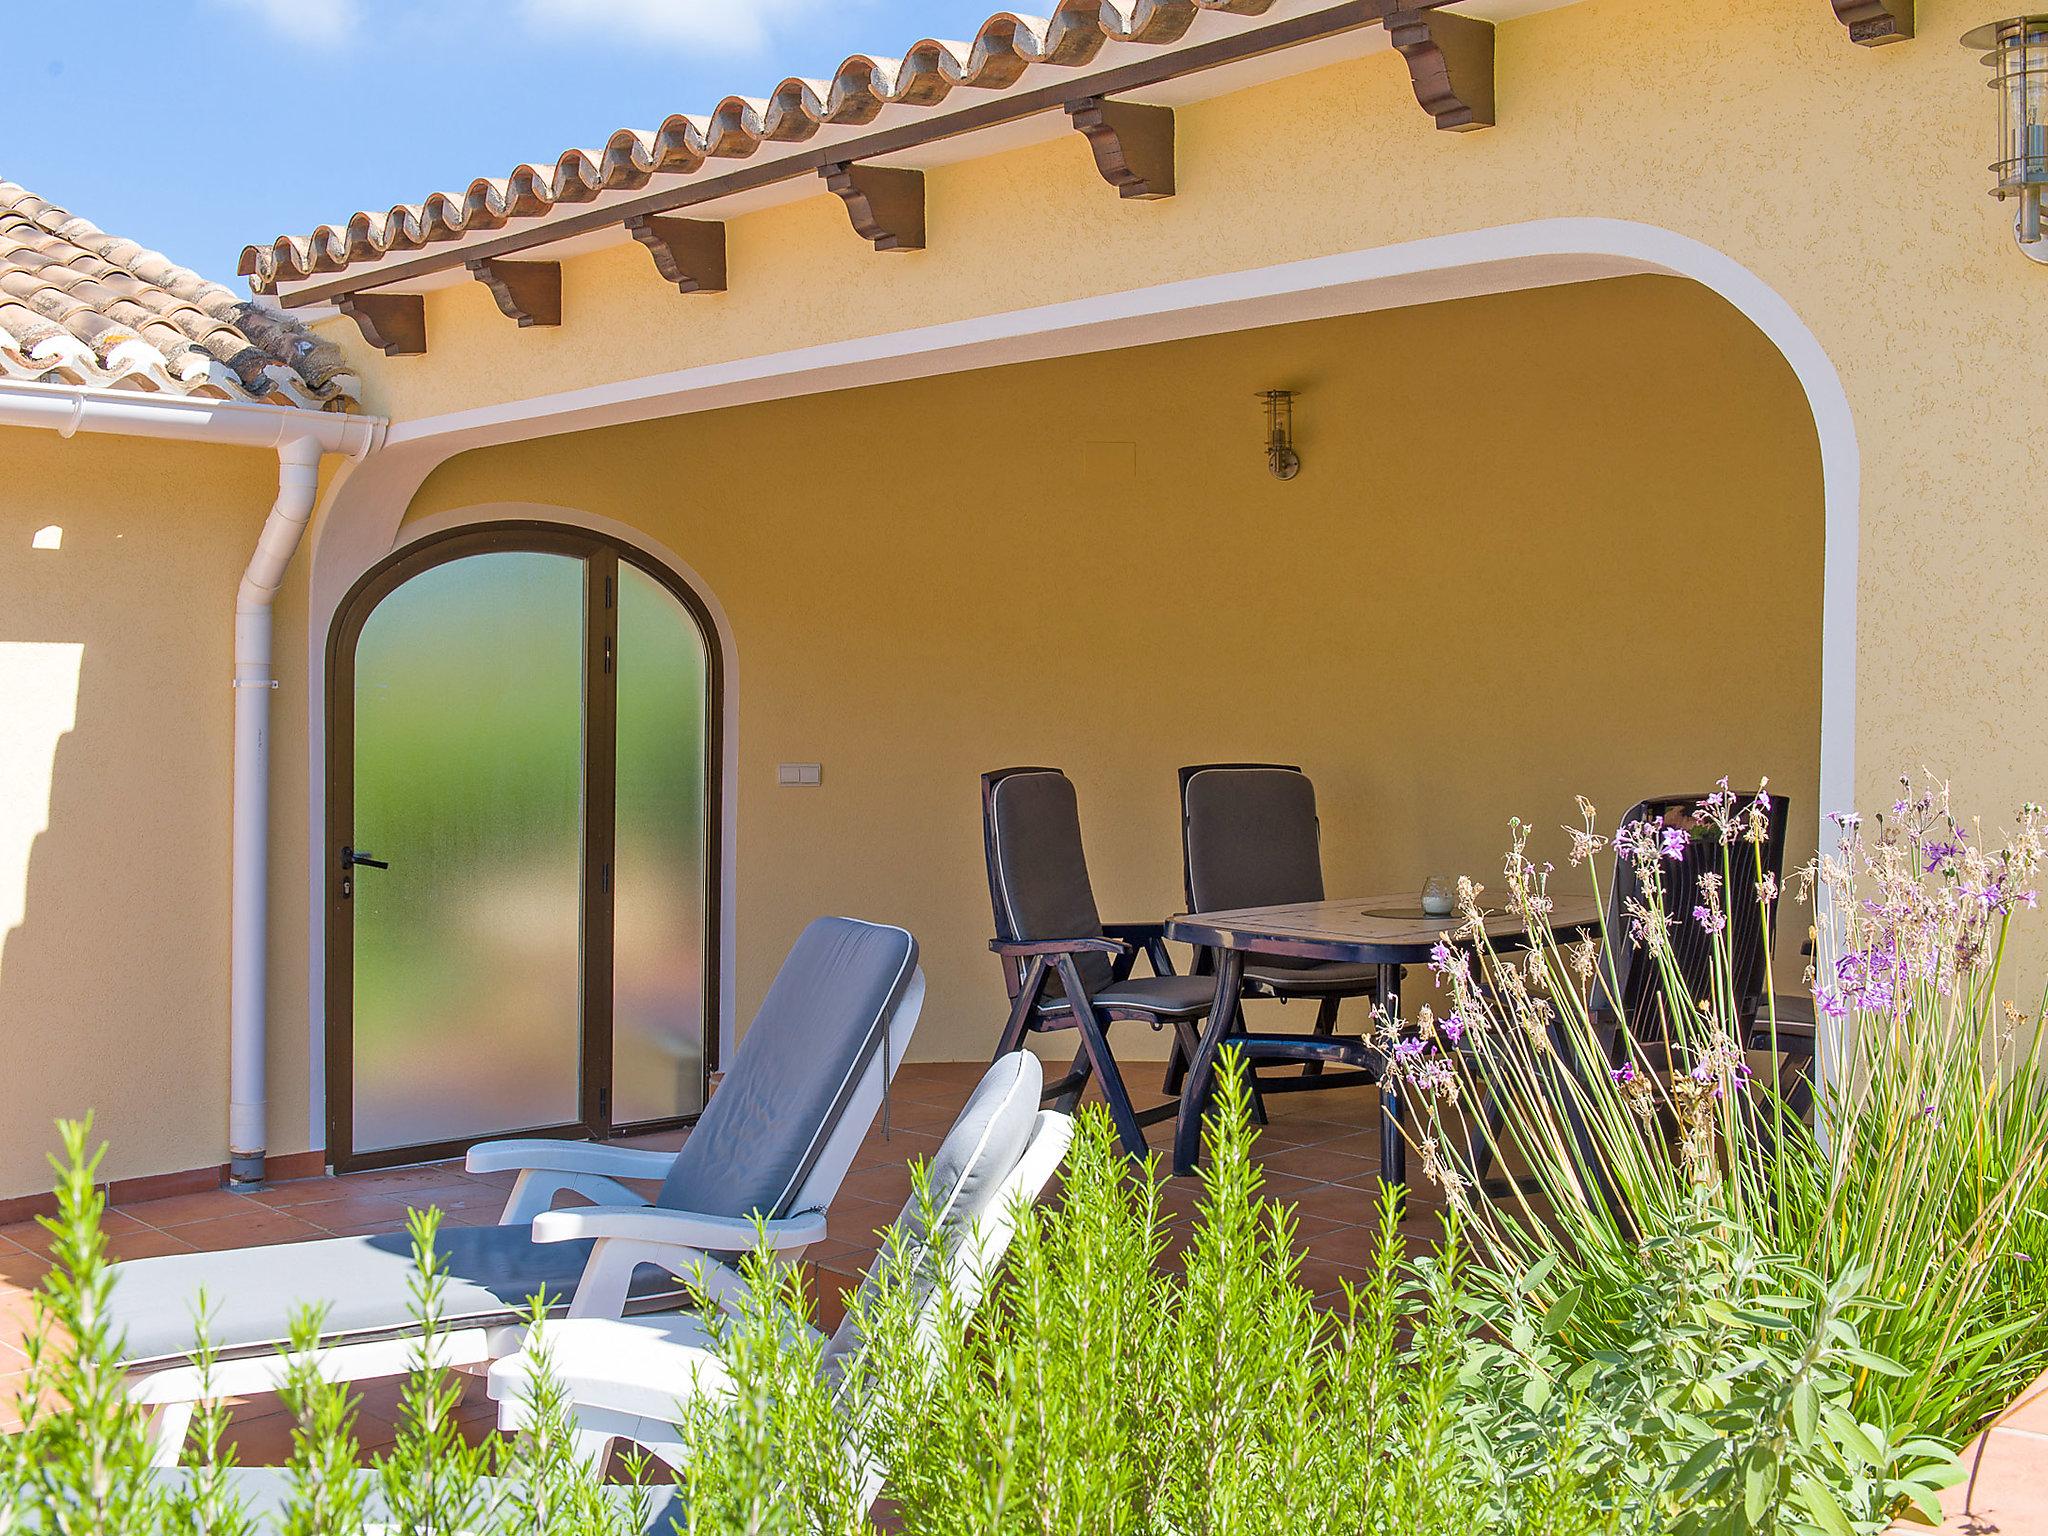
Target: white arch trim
(363, 509)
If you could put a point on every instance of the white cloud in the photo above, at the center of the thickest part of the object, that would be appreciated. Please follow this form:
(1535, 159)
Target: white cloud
(714, 26)
(315, 23)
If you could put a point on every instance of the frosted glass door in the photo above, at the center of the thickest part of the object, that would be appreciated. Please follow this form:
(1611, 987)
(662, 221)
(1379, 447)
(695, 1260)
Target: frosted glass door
(659, 906)
(469, 784)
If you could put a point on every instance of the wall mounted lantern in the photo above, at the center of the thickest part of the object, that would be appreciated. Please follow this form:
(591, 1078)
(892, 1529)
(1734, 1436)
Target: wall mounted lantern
(1281, 458)
(2018, 56)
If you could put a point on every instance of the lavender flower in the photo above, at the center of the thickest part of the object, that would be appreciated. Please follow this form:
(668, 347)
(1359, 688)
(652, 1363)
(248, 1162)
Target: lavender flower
(1709, 919)
(1675, 840)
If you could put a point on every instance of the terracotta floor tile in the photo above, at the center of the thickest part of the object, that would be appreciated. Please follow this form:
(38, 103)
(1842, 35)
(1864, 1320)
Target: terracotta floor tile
(245, 1230)
(2007, 1490)
(182, 1210)
(2030, 1411)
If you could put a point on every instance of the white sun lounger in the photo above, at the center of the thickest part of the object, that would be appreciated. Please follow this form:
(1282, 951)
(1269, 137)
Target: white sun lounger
(625, 1377)
(777, 1138)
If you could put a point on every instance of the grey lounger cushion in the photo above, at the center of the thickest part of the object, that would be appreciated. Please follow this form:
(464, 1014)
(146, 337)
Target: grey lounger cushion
(820, 1026)
(365, 1283)
(817, 1030)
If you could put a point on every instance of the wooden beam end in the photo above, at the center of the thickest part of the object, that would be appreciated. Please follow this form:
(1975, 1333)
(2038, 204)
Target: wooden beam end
(1132, 144)
(394, 323)
(529, 292)
(687, 252)
(885, 202)
(1450, 63)
(1875, 23)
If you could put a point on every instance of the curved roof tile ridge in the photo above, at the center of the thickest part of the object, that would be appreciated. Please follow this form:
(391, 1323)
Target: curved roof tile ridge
(80, 306)
(1003, 47)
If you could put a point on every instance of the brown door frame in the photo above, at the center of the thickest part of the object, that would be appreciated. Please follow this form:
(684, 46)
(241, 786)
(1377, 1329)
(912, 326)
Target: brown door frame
(601, 556)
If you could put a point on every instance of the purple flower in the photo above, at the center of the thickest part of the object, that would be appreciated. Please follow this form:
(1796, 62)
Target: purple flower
(1453, 1028)
(1675, 839)
(1830, 1002)
(1439, 956)
(1625, 1073)
(1939, 854)
(1709, 919)
(1763, 801)
(1408, 1050)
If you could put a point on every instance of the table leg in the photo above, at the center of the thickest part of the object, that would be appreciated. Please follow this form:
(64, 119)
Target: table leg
(1201, 1072)
(1393, 1148)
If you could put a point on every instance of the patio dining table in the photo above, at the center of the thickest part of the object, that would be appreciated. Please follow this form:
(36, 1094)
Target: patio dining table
(1388, 932)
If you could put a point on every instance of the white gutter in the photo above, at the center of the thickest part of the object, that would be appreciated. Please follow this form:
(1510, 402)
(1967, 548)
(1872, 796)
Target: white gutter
(300, 437)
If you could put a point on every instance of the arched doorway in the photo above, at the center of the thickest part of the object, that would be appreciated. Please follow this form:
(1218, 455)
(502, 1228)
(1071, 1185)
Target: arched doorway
(522, 860)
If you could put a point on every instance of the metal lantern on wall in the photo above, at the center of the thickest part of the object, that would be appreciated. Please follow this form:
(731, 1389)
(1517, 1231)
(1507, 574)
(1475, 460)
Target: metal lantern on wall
(2017, 52)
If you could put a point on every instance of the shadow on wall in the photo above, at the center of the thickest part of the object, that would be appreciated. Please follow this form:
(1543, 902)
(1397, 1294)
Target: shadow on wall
(118, 563)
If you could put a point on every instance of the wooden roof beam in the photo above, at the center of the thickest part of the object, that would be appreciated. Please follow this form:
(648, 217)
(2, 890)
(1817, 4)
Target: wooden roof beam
(885, 202)
(527, 291)
(1450, 62)
(1132, 144)
(1873, 23)
(394, 323)
(687, 252)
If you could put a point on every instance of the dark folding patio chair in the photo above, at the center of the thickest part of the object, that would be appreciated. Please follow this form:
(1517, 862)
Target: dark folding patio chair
(1250, 838)
(1637, 1003)
(1630, 1005)
(1063, 966)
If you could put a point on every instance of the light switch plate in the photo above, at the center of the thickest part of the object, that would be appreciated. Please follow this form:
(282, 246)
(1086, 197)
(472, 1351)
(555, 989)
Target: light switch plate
(799, 775)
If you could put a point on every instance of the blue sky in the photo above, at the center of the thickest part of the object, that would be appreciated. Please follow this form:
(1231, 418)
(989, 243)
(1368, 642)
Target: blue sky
(199, 126)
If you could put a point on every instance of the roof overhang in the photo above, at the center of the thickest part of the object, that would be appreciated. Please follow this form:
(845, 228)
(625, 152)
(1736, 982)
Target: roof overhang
(1122, 99)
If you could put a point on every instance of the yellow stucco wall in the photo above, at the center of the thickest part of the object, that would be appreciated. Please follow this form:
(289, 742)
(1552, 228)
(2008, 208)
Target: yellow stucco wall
(116, 724)
(1596, 568)
(1851, 180)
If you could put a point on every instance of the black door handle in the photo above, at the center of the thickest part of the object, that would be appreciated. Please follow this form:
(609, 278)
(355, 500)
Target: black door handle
(350, 857)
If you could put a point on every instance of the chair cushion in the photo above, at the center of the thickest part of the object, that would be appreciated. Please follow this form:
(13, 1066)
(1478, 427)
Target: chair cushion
(815, 1034)
(979, 1153)
(365, 1283)
(1167, 997)
(1038, 873)
(1252, 838)
(1318, 978)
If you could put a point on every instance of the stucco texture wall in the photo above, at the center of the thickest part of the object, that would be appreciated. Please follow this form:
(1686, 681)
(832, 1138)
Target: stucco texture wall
(116, 725)
(1593, 566)
(1851, 180)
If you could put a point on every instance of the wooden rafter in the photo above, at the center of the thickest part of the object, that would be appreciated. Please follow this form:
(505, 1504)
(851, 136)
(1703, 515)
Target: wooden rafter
(1132, 144)
(1450, 62)
(1874, 23)
(885, 202)
(394, 323)
(527, 291)
(688, 252)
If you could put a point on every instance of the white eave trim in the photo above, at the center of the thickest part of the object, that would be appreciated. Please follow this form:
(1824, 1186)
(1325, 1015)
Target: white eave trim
(67, 408)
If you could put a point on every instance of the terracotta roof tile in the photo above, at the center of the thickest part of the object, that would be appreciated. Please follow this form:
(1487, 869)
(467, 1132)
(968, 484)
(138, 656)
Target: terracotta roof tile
(1003, 47)
(80, 306)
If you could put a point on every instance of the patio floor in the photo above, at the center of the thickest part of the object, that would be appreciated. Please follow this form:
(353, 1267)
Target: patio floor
(1320, 1152)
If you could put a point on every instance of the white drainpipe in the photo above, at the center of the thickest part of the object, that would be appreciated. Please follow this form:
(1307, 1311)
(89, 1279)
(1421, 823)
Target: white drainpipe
(300, 438)
(298, 481)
